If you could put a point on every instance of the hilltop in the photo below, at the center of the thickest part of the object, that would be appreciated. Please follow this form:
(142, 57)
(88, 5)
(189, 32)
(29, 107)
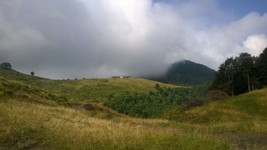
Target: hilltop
(186, 73)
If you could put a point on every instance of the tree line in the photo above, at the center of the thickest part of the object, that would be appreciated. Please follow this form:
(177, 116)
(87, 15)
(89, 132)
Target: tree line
(241, 74)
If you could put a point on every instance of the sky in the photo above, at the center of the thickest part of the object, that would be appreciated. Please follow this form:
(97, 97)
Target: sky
(87, 38)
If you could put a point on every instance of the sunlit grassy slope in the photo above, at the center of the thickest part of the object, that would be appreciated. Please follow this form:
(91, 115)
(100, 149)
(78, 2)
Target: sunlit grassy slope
(86, 90)
(98, 90)
(247, 107)
(242, 119)
(37, 126)
(33, 117)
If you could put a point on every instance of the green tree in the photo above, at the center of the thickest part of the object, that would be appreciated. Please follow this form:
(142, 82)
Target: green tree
(224, 78)
(245, 64)
(261, 67)
(236, 75)
(6, 65)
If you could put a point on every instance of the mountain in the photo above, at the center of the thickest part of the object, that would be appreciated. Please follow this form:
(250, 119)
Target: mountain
(186, 73)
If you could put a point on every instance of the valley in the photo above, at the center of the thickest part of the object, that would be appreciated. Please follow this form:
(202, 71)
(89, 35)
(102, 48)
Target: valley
(133, 75)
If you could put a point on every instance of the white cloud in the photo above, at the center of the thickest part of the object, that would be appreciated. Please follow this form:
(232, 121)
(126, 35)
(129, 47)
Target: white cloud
(89, 38)
(255, 44)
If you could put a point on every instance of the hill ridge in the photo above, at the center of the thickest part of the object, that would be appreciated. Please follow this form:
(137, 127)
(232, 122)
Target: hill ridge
(87, 90)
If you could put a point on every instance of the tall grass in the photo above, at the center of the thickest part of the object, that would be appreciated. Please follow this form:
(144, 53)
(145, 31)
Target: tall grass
(30, 125)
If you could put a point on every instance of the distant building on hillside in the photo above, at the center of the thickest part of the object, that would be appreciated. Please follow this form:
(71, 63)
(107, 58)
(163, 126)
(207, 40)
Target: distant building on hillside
(115, 77)
(122, 77)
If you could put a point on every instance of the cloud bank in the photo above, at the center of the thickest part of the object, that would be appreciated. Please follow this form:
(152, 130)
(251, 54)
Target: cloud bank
(88, 38)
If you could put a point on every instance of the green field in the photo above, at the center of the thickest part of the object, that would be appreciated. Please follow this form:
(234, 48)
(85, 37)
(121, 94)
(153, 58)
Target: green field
(37, 113)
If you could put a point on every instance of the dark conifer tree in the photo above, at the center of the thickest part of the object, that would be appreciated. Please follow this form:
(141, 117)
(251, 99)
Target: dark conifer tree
(261, 66)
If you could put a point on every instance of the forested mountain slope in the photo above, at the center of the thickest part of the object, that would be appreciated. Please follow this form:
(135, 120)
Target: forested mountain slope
(186, 73)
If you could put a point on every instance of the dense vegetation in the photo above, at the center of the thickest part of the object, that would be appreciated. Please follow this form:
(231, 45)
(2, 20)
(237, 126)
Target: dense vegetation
(154, 103)
(186, 73)
(242, 74)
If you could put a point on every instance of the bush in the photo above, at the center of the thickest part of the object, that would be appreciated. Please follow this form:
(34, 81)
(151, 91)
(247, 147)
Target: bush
(216, 95)
(88, 107)
(212, 95)
(193, 103)
(9, 92)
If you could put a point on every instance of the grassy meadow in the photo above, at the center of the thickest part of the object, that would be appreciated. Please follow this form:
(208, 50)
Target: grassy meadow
(37, 126)
(34, 115)
(84, 90)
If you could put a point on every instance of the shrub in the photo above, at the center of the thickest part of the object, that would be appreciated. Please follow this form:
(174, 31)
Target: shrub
(216, 95)
(88, 107)
(193, 103)
(9, 92)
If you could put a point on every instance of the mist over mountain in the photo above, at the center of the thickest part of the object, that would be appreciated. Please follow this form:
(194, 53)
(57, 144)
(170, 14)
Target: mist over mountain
(186, 72)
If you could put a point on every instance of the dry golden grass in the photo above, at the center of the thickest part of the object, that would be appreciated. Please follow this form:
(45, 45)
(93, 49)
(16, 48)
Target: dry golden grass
(25, 125)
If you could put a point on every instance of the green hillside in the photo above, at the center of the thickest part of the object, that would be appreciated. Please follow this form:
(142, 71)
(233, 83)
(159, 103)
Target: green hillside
(248, 107)
(98, 90)
(84, 90)
(33, 117)
(35, 114)
(186, 73)
(242, 119)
